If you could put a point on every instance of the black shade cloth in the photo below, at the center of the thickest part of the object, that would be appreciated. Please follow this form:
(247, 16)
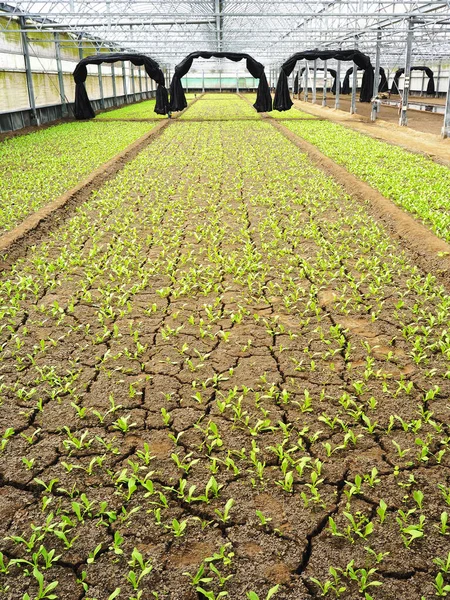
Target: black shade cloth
(296, 82)
(400, 72)
(331, 71)
(83, 108)
(282, 99)
(383, 85)
(178, 99)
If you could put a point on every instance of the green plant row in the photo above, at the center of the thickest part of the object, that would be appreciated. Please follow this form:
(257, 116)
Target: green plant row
(140, 110)
(413, 182)
(292, 113)
(36, 168)
(218, 106)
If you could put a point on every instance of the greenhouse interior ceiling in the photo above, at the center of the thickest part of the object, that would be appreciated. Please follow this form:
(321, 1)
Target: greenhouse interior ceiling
(268, 30)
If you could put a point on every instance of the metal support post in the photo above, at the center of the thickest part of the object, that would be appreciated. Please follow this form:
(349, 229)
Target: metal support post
(354, 82)
(100, 83)
(187, 84)
(237, 83)
(114, 87)
(140, 83)
(314, 86)
(376, 79)
(293, 79)
(305, 95)
(325, 73)
(404, 106)
(203, 81)
(146, 78)
(337, 102)
(133, 83)
(220, 81)
(124, 77)
(446, 128)
(422, 83)
(62, 95)
(438, 79)
(80, 46)
(29, 75)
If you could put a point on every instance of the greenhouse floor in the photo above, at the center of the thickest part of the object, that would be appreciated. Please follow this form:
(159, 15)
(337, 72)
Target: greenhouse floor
(224, 373)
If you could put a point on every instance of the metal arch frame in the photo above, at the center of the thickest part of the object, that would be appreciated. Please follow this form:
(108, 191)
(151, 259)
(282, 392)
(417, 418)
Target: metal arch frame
(270, 30)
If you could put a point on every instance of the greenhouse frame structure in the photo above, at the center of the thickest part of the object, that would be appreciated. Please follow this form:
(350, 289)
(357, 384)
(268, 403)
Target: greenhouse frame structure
(393, 34)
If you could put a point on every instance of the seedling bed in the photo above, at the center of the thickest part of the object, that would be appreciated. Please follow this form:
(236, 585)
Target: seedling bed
(221, 378)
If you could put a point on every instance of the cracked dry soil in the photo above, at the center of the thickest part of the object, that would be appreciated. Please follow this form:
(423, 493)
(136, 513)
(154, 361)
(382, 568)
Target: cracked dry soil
(221, 309)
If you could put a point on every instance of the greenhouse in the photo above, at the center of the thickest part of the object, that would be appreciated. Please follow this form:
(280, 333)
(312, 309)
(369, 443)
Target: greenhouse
(224, 299)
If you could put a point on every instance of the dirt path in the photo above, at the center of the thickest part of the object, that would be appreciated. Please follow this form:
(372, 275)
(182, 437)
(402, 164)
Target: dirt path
(425, 139)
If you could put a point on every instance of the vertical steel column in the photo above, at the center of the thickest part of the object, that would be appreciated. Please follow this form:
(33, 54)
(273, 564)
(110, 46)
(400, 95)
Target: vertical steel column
(29, 75)
(404, 114)
(376, 79)
(100, 83)
(62, 95)
(314, 86)
(438, 78)
(325, 74)
(220, 81)
(203, 81)
(354, 82)
(446, 127)
(124, 77)
(187, 84)
(423, 83)
(133, 83)
(146, 77)
(337, 102)
(140, 84)
(293, 79)
(305, 95)
(114, 87)
(80, 46)
(237, 83)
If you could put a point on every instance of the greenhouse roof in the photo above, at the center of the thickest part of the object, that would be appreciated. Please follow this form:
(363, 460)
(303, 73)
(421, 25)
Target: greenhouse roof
(268, 30)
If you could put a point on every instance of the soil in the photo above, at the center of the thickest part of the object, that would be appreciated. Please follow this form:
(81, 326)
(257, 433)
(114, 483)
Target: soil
(230, 323)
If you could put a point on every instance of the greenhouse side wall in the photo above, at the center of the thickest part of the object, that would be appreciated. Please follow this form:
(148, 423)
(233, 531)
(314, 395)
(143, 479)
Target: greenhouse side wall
(50, 85)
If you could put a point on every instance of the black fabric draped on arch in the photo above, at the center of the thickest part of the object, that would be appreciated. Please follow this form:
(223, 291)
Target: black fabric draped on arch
(83, 108)
(178, 99)
(332, 72)
(383, 86)
(282, 99)
(400, 72)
